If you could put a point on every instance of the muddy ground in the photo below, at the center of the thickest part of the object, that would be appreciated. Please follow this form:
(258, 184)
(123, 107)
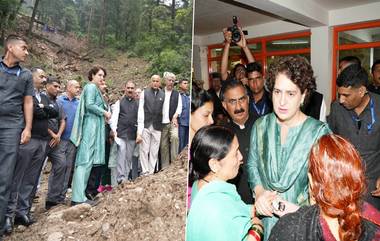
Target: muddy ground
(149, 208)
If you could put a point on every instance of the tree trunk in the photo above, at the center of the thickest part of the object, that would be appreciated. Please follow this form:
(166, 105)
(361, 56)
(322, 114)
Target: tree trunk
(32, 18)
(89, 24)
(173, 10)
(102, 26)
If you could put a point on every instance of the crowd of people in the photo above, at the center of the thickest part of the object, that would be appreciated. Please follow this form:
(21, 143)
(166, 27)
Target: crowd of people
(93, 145)
(277, 167)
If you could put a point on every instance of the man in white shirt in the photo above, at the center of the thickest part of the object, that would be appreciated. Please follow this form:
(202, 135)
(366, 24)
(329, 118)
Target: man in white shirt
(149, 124)
(171, 110)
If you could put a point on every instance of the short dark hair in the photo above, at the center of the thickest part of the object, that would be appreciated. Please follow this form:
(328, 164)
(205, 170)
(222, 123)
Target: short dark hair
(298, 70)
(199, 98)
(130, 81)
(377, 62)
(354, 76)
(11, 38)
(235, 68)
(95, 70)
(231, 84)
(253, 67)
(215, 75)
(210, 142)
(182, 80)
(34, 69)
(351, 59)
(52, 79)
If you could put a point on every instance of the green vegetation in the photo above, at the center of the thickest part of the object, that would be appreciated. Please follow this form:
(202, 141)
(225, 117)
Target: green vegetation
(157, 30)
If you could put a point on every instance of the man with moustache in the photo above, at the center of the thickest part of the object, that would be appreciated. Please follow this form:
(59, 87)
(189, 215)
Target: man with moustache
(124, 126)
(259, 102)
(355, 116)
(236, 103)
(149, 124)
(55, 150)
(69, 102)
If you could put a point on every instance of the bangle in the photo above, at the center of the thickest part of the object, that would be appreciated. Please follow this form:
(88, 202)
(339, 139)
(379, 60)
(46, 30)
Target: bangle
(258, 224)
(258, 231)
(254, 234)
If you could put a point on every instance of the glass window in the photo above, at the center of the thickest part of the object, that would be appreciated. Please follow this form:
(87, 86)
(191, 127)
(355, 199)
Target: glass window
(366, 55)
(217, 52)
(255, 47)
(215, 66)
(288, 44)
(366, 35)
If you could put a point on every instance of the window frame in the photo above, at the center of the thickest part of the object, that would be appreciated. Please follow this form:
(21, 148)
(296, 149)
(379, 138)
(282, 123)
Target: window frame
(337, 47)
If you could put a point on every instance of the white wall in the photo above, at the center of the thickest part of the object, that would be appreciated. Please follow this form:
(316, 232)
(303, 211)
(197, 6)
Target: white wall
(363, 13)
(321, 61)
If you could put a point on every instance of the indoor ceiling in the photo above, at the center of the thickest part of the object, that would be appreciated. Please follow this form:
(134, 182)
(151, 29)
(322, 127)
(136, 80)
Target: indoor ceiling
(212, 16)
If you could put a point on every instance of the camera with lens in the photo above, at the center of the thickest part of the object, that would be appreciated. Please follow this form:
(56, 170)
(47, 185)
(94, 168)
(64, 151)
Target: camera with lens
(234, 29)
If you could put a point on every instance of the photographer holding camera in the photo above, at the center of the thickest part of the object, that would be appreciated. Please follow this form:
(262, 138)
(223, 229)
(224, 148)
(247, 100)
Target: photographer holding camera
(234, 35)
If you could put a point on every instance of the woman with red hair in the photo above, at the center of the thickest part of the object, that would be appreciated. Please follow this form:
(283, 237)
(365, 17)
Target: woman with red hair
(337, 184)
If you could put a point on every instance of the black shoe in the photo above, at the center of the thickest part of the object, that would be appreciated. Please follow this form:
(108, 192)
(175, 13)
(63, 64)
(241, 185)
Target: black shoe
(91, 196)
(88, 201)
(50, 204)
(8, 225)
(24, 220)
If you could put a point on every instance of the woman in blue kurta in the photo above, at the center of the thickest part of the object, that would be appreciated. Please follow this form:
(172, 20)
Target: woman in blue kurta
(281, 141)
(88, 132)
(217, 212)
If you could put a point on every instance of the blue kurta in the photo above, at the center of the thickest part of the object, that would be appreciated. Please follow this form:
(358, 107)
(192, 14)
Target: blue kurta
(282, 168)
(217, 213)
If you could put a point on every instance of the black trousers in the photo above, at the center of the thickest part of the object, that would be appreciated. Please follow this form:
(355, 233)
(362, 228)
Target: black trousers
(9, 145)
(99, 174)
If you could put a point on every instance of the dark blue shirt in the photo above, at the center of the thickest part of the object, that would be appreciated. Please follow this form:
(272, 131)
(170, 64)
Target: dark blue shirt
(262, 107)
(15, 83)
(70, 108)
(183, 120)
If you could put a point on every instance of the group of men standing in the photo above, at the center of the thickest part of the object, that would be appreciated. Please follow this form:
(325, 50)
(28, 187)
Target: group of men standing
(36, 122)
(163, 119)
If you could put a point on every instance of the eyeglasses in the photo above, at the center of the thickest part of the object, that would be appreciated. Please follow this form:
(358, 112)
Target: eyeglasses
(235, 101)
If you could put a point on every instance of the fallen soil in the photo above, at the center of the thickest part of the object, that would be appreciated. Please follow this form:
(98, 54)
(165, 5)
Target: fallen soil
(149, 208)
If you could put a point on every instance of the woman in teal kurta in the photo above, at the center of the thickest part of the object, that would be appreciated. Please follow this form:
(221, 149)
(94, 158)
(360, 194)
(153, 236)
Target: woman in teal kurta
(217, 212)
(88, 132)
(281, 141)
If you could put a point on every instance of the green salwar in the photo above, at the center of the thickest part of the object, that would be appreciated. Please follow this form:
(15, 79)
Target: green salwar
(88, 134)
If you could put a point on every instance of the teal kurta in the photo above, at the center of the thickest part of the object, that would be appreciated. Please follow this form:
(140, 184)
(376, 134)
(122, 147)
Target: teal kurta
(282, 168)
(217, 213)
(88, 132)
